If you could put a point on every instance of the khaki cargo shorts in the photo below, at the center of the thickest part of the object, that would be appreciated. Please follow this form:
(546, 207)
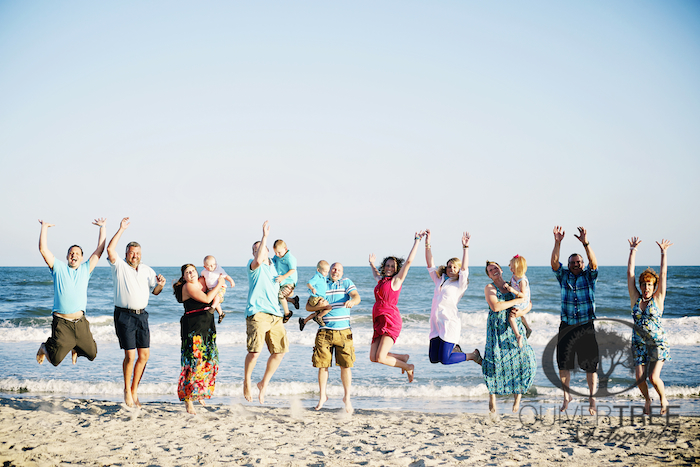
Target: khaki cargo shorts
(328, 340)
(263, 328)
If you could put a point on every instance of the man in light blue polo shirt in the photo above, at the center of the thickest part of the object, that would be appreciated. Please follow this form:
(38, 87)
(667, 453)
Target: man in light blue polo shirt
(70, 330)
(335, 334)
(263, 317)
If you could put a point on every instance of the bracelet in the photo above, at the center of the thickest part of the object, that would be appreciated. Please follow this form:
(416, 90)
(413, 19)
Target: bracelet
(427, 245)
(586, 244)
(465, 247)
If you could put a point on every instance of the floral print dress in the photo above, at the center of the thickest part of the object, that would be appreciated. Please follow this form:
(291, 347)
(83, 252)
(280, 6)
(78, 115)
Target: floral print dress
(649, 339)
(199, 354)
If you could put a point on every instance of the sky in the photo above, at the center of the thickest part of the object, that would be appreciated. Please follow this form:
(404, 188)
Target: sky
(349, 126)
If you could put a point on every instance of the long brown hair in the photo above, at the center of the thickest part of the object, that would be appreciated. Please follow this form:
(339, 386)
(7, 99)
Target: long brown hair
(177, 286)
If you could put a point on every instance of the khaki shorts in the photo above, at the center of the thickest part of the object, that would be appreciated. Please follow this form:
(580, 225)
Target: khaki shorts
(329, 339)
(263, 328)
(285, 291)
(314, 301)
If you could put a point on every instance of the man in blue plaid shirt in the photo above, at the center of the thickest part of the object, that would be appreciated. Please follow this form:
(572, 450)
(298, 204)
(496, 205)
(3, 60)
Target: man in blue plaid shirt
(576, 331)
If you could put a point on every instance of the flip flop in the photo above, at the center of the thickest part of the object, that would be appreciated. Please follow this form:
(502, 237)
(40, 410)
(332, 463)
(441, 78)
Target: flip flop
(287, 317)
(301, 324)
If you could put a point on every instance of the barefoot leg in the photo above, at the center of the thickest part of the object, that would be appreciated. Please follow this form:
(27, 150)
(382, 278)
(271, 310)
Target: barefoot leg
(322, 382)
(74, 356)
(189, 406)
(41, 354)
(492, 403)
(516, 402)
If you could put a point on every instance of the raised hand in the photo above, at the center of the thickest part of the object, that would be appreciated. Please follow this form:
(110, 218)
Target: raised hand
(125, 223)
(465, 239)
(558, 233)
(160, 279)
(419, 235)
(581, 235)
(427, 236)
(44, 223)
(372, 259)
(635, 241)
(266, 228)
(101, 222)
(664, 244)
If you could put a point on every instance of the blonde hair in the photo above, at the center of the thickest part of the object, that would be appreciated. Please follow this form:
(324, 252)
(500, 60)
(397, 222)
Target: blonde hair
(519, 265)
(207, 258)
(279, 242)
(649, 275)
(322, 263)
(456, 261)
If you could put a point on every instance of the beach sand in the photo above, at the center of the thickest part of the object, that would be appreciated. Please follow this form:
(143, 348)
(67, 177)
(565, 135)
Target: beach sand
(58, 431)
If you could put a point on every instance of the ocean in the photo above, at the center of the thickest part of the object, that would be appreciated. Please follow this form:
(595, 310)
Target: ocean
(26, 298)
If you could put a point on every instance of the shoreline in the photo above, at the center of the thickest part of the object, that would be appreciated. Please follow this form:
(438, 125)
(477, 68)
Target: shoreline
(54, 430)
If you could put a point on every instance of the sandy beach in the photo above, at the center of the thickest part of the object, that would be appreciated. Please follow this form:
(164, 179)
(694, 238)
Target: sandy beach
(58, 431)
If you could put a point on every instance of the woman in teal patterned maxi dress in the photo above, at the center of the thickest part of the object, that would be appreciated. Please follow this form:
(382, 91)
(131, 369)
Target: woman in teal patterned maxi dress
(507, 368)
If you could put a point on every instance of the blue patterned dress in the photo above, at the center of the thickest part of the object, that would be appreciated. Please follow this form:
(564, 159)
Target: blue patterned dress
(507, 368)
(648, 339)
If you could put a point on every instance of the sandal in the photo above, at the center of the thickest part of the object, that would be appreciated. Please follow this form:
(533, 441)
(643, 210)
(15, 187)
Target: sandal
(477, 359)
(222, 315)
(295, 302)
(319, 320)
(457, 349)
(286, 317)
(301, 324)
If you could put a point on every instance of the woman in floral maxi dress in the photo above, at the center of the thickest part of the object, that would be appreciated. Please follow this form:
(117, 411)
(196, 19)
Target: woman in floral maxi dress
(200, 356)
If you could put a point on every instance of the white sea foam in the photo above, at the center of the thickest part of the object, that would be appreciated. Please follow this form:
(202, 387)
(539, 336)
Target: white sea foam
(428, 391)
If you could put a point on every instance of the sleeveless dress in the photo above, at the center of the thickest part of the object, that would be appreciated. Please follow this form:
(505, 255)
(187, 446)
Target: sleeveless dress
(649, 339)
(199, 354)
(507, 369)
(385, 314)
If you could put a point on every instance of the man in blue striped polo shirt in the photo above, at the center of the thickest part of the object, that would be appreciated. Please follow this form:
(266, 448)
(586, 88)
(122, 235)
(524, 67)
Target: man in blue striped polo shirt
(335, 334)
(576, 331)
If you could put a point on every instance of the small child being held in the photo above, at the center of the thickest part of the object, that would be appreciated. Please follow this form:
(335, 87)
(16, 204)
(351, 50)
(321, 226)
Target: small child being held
(317, 289)
(209, 278)
(519, 282)
(286, 265)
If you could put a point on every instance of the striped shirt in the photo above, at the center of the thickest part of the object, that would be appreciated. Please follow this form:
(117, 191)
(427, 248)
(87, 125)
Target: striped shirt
(337, 294)
(577, 295)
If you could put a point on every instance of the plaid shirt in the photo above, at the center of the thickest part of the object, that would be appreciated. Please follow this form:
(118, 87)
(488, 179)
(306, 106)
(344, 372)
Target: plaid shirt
(577, 295)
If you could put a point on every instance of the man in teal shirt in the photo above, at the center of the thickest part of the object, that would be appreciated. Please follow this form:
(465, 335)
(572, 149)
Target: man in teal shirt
(263, 317)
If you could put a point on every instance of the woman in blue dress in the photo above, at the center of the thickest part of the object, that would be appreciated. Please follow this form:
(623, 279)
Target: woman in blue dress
(648, 338)
(507, 368)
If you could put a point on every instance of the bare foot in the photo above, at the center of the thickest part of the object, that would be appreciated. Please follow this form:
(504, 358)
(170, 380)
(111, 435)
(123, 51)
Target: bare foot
(664, 406)
(246, 391)
(492, 405)
(567, 399)
(516, 403)
(190, 407)
(201, 401)
(647, 407)
(520, 341)
(41, 354)
(348, 405)
(128, 400)
(591, 406)
(261, 396)
(321, 401)
(410, 373)
(74, 356)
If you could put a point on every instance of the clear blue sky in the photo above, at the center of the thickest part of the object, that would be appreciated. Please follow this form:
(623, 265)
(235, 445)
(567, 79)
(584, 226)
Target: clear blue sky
(349, 125)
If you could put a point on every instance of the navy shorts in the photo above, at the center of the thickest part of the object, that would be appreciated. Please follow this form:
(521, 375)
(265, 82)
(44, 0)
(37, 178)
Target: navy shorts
(132, 329)
(577, 341)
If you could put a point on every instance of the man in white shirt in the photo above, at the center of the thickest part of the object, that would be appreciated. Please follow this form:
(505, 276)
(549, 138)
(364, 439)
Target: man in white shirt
(133, 283)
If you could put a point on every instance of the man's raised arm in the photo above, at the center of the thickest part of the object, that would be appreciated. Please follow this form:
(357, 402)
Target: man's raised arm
(43, 245)
(558, 237)
(97, 254)
(583, 238)
(112, 247)
(261, 254)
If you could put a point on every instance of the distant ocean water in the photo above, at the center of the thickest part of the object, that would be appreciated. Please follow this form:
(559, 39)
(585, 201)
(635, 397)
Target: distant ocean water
(26, 298)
